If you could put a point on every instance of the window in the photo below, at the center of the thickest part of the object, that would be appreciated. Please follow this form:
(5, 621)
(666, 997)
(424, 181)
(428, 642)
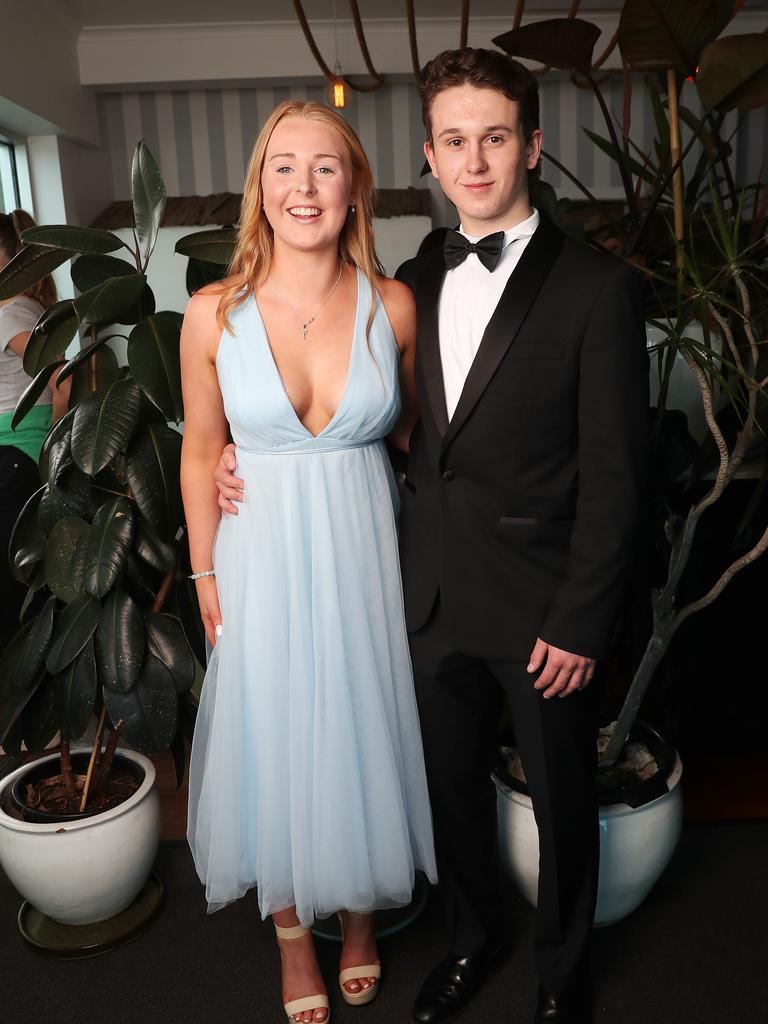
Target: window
(9, 182)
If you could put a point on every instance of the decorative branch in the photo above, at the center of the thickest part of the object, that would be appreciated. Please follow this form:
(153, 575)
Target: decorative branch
(363, 44)
(411, 16)
(94, 752)
(464, 31)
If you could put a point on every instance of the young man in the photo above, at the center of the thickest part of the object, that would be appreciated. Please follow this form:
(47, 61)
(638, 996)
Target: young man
(519, 514)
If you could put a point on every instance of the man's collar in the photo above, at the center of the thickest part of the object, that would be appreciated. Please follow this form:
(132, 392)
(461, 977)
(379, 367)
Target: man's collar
(522, 230)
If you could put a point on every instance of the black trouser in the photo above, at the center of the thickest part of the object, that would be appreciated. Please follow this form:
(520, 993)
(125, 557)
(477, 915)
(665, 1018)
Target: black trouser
(460, 699)
(19, 479)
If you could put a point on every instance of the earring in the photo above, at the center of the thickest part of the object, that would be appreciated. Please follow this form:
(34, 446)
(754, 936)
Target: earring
(352, 208)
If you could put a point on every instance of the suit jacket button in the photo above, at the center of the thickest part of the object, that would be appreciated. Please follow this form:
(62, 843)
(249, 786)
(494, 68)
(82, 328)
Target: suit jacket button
(448, 475)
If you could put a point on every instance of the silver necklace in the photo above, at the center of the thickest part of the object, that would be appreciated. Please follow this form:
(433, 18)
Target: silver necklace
(305, 323)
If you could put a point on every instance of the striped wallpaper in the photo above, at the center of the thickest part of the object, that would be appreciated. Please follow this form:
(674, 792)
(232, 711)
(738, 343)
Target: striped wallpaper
(202, 138)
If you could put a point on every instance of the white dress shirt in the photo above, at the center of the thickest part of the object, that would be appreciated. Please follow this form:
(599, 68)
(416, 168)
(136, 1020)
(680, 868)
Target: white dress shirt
(468, 299)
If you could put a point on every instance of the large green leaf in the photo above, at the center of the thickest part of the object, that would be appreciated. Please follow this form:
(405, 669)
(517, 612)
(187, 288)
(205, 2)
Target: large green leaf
(89, 271)
(166, 641)
(154, 460)
(30, 265)
(565, 43)
(656, 35)
(213, 246)
(84, 383)
(64, 236)
(109, 542)
(75, 694)
(103, 424)
(33, 649)
(12, 674)
(148, 191)
(153, 357)
(734, 73)
(152, 550)
(110, 301)
(74, 628)
(61, 429)
(38, 719)
(148, 711)
(32, 392)
(26, 533)
(72, 494)
(200, 273)
(83, 356)
(50, 338)
(185, 594)
(64, 554)
(120, 641)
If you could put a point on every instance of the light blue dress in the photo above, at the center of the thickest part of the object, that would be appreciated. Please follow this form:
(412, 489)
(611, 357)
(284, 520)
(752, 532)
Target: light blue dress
(307, 776)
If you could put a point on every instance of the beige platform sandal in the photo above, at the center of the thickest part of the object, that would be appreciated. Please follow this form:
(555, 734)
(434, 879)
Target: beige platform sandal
(365, 995)
(318, 1002)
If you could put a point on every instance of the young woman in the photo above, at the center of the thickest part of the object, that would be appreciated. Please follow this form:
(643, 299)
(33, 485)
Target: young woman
(19, 449)
(307, 776)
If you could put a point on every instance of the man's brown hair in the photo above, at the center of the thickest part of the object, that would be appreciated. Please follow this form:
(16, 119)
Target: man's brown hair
(485, 69)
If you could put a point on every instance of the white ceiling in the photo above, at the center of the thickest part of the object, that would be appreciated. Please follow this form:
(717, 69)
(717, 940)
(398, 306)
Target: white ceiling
(158, 12)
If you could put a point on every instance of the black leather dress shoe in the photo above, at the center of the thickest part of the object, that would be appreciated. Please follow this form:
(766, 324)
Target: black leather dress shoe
(449, 988)
(565, 1009)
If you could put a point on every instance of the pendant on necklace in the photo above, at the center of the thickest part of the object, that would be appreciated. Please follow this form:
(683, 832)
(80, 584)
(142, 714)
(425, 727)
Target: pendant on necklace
(304, 329)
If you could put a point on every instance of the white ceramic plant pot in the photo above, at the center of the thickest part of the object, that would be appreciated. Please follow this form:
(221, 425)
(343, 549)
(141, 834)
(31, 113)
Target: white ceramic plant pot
(636, 844)
(89, 869)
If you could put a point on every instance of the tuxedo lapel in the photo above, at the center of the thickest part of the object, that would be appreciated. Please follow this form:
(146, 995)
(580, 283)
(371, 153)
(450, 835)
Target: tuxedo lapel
(428, 338)
(516, 300)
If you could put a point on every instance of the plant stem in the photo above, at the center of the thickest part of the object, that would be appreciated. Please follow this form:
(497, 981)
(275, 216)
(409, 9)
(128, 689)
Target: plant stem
(66, 767)
(94, 751)
(674, 152)
(164, 591)
(105, 765)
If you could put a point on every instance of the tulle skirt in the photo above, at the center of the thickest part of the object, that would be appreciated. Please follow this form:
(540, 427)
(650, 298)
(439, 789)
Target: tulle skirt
(307, 775)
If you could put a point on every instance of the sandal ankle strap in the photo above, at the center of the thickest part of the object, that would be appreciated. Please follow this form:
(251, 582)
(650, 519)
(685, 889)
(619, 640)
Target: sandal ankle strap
(294, 932)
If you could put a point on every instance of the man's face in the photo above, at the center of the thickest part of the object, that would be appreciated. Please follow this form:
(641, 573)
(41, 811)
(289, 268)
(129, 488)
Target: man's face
(479, 156)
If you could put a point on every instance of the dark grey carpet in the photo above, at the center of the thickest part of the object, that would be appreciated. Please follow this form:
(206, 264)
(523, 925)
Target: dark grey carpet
(695, 953)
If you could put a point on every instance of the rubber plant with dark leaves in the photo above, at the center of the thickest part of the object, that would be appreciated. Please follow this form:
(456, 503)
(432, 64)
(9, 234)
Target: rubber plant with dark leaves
(110, 622)
(704, 260)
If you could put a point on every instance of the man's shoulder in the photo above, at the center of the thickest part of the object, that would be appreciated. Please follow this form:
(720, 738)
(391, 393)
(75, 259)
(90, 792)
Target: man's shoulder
(414, 269)
(594, 263)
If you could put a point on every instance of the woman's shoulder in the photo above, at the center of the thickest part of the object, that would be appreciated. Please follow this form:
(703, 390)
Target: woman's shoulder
(397, 297)
(400, 307)
(19, 316)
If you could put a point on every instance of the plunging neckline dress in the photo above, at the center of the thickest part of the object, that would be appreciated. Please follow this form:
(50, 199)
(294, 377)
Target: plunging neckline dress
(306, 774)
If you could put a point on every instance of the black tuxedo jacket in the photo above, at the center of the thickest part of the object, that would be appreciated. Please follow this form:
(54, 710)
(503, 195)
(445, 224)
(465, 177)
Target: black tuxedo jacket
(523, 511)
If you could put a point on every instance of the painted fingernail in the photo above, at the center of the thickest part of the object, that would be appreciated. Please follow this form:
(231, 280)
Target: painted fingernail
(219, 630)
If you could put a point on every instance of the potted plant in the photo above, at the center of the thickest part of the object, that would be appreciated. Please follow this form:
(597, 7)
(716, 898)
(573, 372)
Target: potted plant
(110, 622)
(705, 264)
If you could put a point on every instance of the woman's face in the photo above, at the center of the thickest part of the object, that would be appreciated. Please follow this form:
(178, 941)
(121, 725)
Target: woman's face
(307, 184)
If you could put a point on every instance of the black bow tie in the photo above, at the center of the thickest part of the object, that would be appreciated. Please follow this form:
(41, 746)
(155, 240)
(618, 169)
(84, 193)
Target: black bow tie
(456, 248)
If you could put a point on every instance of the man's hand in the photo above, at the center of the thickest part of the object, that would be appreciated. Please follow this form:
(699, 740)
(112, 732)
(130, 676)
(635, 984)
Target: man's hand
(563, 673)
(230, 486)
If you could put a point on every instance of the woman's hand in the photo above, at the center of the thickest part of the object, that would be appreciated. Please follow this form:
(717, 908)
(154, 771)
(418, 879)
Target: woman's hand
(230, 486)
(210, 613)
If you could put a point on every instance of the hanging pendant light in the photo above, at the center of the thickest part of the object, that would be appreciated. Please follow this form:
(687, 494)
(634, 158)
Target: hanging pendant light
(337, 89)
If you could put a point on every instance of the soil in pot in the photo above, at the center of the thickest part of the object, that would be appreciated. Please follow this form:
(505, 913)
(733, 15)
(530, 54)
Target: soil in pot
(42, 797)
(637, 778)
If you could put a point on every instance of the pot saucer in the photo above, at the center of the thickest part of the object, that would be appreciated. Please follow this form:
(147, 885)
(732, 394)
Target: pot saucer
(75, 941)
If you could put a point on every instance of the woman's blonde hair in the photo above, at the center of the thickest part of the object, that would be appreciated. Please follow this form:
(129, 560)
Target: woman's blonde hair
(255, 239)
(11, 226)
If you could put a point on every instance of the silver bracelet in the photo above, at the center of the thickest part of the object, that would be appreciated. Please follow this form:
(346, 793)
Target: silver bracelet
(199, 575)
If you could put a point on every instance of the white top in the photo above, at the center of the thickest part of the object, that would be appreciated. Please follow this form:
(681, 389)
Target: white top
(468, 299)
(18, 316)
